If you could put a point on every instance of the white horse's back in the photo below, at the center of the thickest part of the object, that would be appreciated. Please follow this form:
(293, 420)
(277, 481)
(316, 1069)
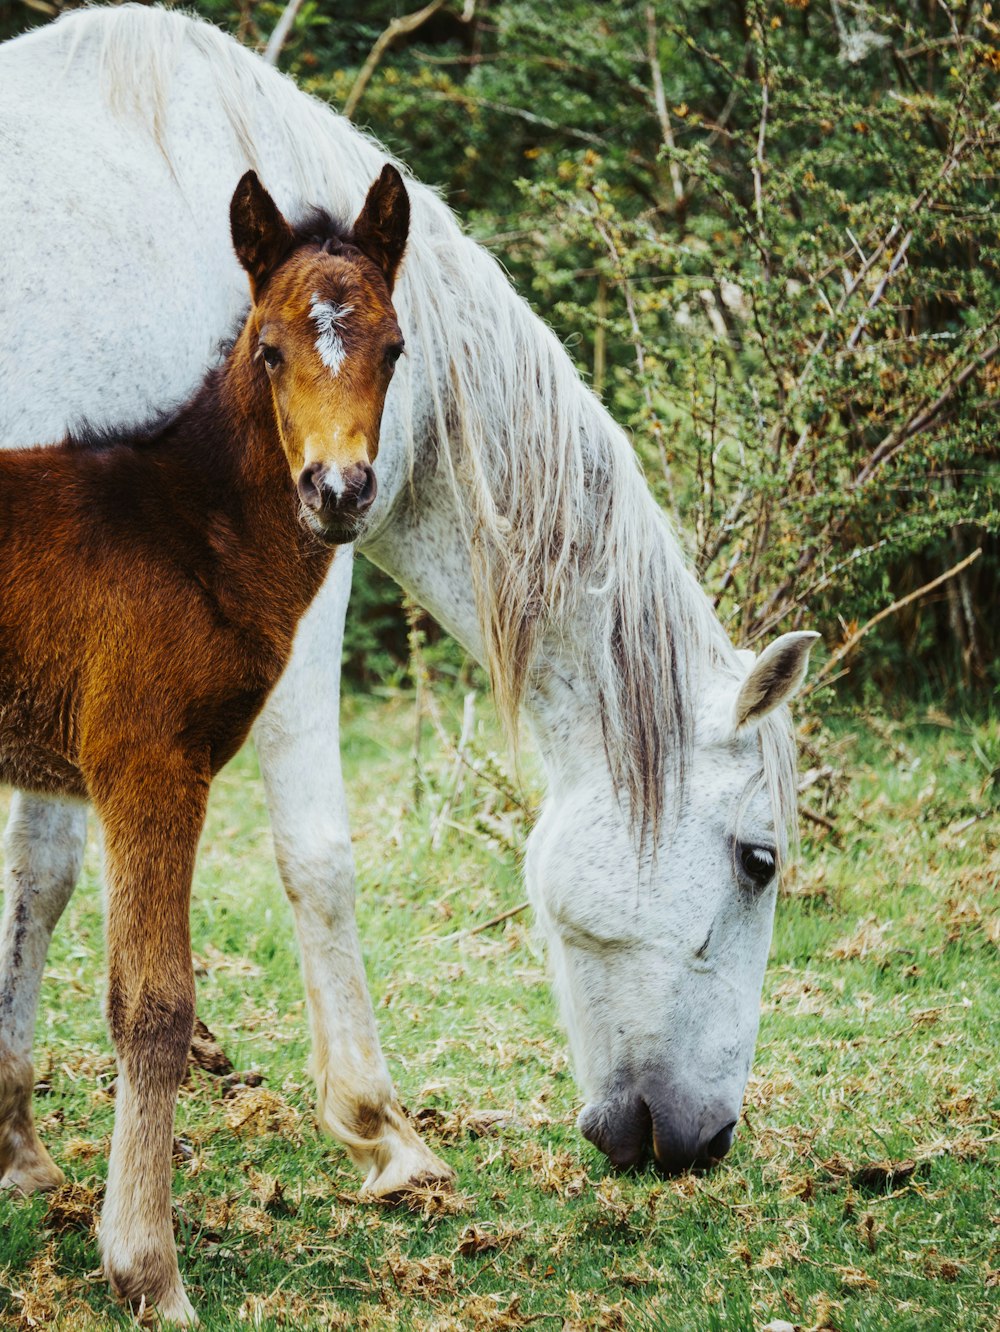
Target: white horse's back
(79, 189)
(145, 235)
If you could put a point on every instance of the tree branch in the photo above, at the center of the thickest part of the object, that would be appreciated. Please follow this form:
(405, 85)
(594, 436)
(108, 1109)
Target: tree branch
(857, 636)
(660, 102)
(282, 28)
(398, 26)
(923, 417)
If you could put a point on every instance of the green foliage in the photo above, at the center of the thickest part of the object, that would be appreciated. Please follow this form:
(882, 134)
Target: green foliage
(769, 232)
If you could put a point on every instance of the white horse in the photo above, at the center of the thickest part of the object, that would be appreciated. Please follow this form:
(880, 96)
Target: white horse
(509, 505)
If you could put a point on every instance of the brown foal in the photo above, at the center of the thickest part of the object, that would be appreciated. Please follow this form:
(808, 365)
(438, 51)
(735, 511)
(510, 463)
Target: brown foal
(150, 588)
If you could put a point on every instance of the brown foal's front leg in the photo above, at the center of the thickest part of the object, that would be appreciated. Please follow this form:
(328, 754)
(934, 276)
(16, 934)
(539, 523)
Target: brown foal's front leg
(152, 815)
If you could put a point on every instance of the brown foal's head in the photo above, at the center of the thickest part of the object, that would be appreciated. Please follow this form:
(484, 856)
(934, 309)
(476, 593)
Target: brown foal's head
(323, 325)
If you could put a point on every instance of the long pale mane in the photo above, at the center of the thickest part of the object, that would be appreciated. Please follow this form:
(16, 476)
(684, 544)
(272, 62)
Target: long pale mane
(567, 544)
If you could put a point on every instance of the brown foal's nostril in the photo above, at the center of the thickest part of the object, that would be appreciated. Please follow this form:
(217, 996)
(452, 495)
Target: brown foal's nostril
(367, 489)
(309, 486)
(345, 501)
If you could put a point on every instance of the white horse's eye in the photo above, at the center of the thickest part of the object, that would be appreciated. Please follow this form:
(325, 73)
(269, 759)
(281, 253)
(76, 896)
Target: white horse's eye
(757, 863)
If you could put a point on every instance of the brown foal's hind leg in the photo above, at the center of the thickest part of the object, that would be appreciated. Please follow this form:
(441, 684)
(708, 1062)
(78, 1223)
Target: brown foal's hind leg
(44, 848)
(152, 819)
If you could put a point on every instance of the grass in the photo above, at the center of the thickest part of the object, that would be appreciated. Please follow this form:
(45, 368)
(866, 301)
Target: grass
(861, 1192)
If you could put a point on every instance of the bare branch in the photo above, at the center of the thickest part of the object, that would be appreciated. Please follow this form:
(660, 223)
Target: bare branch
(758, 165)
(660, 102)
(924, 416)
(879, 292)
(398, 26)
(282, 28)
(886, 611)
(498, 920)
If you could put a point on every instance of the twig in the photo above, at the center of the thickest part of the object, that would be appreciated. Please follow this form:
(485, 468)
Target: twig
(879, 291)
(923, 417)
(815, 817)
(398, 26)
(282, 28)
(857, 636)
(458, 768)
(758, 165)
(498, 920)
(924, 201)
(660, 102)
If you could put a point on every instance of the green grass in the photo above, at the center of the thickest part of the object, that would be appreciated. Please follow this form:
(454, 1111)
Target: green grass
(861, 1192)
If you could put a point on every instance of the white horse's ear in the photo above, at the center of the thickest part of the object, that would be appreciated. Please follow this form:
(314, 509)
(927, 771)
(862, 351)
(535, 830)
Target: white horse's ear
(775, 677)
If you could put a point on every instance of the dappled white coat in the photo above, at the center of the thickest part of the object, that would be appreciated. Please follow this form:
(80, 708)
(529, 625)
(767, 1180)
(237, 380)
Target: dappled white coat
(509, 504)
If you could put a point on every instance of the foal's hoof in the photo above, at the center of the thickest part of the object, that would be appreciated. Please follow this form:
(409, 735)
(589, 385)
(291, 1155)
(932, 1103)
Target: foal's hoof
(172, 1310)
(175, 1312)
(32, 1172)
(150, 1285)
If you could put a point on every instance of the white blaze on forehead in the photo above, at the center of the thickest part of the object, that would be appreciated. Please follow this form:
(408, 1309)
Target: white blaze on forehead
(328, 317)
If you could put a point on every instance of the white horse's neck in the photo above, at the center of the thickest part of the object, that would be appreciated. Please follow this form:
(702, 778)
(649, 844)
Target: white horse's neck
(423, 545)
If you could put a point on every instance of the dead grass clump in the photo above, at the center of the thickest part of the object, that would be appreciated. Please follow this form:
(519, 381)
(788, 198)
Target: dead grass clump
(72, 1207)
(295, 1311)
(476, 1239)
(46, 1298)
(483, 1313)
(588, 1313)
(452, 1126)
(940, 1268)
(254, 1111)
(431, 1201)
(270, 1193)
(553, 1172)
(868, 942)
(429, 1278)
(83, 1149)
(871, 1177)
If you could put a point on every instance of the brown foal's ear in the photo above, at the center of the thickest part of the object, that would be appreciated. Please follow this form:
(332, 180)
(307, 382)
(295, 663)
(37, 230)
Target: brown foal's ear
(383, 224)
(261, 236)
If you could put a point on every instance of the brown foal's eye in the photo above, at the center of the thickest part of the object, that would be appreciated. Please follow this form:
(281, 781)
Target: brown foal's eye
(272, 356)
(393, 353)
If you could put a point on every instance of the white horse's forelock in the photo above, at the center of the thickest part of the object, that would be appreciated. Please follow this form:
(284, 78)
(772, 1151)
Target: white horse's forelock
(560, 524)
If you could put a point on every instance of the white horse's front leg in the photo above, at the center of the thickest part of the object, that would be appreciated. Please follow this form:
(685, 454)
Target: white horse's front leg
(298, 737)
(44, 851)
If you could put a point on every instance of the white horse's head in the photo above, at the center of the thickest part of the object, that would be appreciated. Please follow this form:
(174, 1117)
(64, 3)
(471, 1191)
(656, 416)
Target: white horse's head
(659, 958)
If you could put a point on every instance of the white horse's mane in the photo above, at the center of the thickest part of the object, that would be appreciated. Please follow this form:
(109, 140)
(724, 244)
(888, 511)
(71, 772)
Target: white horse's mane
(567, 543)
